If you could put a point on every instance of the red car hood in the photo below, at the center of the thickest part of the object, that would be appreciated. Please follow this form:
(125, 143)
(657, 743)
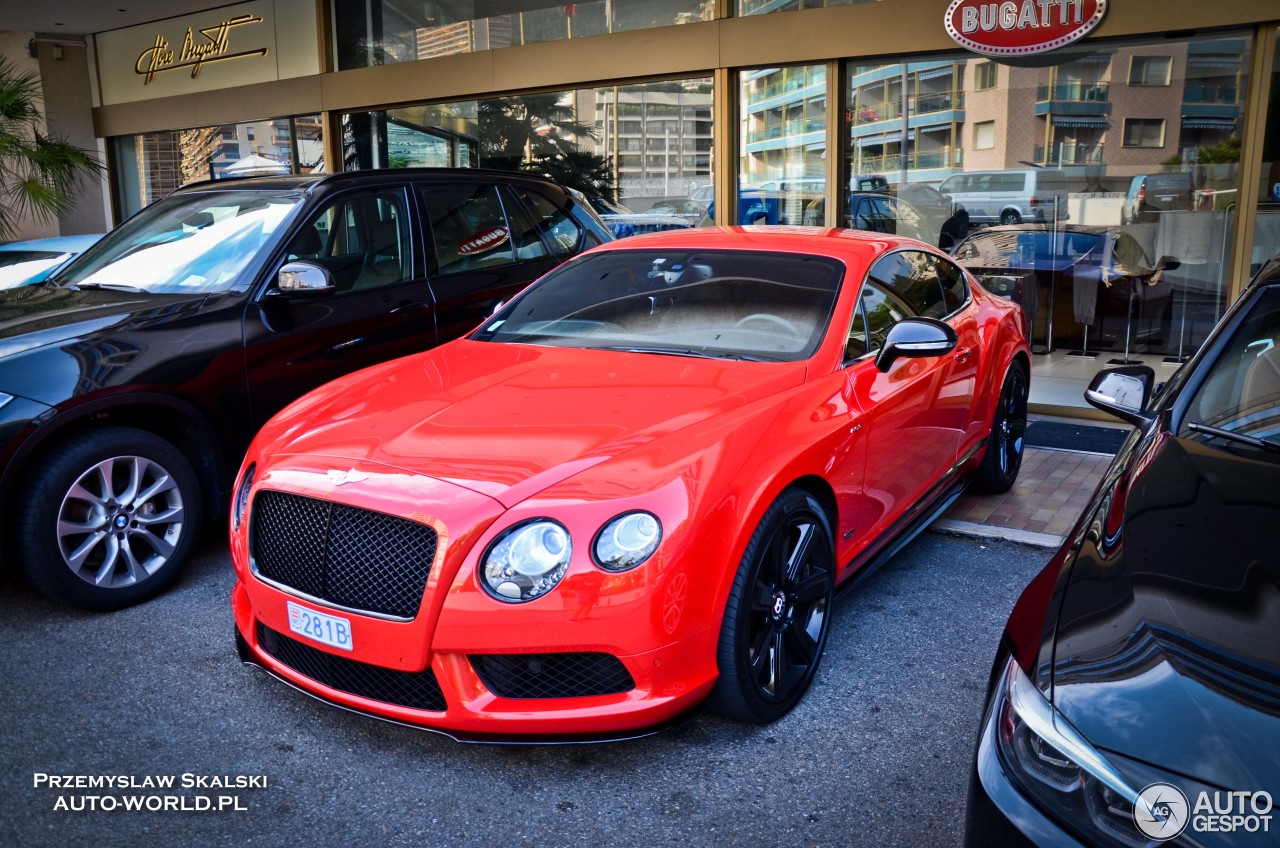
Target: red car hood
(510, 420)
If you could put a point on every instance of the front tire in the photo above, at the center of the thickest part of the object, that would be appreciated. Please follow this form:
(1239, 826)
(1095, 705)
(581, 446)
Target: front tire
(108, 518)
(778, 614)
(1003, 459)
(1010, 216)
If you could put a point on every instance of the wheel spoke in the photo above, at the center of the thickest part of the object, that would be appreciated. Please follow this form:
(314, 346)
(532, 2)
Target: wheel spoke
(163, 483)
(110, 554)
(169, 516)
(79, 493)
(812, 589)
(104, 470)
(800, 552)
(135, 480)
(759, 651)
(80, 528)
(76, 558)
(158, 543)
(802, 644)
(762, 595)
(777, 662)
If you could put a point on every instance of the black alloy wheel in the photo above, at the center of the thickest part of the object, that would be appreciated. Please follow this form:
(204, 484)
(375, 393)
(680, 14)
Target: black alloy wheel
(778, 614)
(999, 469)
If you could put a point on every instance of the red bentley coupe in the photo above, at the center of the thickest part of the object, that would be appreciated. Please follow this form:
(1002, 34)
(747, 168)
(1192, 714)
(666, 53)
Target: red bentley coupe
(633, 489)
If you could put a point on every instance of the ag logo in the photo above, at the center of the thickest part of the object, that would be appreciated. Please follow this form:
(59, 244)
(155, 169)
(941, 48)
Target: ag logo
(1161, 811)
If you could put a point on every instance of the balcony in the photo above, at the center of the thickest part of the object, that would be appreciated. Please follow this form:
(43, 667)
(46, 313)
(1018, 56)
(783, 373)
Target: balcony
(924, 104)
(1210, 94)
(787, 129)
(1074, 98)
(915, 162)
(1069, 154)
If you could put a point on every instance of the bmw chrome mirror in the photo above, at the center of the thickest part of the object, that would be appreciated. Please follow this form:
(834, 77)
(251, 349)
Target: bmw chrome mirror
(1123, 391)
(916, 337)
(305, 279)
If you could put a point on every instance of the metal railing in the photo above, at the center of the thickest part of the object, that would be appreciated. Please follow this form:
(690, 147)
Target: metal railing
(1068, 154)
(1075, 92)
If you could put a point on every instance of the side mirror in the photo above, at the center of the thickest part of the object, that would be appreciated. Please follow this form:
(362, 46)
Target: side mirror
(1168, 263)
(305, 279)
(1123, 391)
(916, 337)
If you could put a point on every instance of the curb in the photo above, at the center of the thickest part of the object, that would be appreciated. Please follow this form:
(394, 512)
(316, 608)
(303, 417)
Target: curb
(973, 530)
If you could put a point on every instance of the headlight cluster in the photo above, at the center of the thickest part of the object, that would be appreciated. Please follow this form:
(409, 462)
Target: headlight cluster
(1053, 763)
(528, 560)
(241, 502)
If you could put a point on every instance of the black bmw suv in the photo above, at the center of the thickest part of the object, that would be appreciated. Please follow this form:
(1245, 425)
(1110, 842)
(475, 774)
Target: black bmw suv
(131, 383)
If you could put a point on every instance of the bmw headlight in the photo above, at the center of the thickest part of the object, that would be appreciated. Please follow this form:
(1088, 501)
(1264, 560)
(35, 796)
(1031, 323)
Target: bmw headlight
(241, 502)
(1050, 761)
(627, 541)
(526, 561)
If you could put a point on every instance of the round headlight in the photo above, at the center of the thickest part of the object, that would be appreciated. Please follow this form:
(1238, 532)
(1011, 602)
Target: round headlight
(242, 496)
(627, 541)
(526, 561)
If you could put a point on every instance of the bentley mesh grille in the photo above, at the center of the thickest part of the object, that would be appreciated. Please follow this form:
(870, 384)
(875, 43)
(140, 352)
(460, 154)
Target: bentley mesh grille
(570, 675)
(418, 690)
(352, 557)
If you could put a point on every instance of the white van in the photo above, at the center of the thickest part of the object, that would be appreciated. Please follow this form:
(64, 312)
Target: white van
(1010, 197)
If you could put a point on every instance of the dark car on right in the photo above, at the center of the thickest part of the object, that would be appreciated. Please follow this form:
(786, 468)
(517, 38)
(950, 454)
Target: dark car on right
(1135, 697)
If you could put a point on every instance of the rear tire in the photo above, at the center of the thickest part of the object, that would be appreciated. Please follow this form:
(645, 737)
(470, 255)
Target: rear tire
(778, 614)
(1003, 459)
(108, 518)
(1010, 216)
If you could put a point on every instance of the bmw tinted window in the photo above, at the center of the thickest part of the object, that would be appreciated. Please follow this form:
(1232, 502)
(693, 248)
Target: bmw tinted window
(469, 226)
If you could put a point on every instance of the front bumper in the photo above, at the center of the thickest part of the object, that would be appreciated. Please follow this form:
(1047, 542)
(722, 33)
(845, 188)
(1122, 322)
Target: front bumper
(670, 682)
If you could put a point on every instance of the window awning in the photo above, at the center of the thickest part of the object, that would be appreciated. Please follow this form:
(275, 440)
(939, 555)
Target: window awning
(1224, 62)
(934, 73)
(1208, 123)
(887, 138)
(935, 128)
(1094, 121)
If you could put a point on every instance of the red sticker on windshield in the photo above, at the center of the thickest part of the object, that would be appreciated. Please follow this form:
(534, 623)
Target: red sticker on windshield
(483, 241)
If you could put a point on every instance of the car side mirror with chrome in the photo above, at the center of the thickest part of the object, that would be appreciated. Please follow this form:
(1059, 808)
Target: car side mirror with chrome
(304, 279)
(1123, 391)
(916, 337)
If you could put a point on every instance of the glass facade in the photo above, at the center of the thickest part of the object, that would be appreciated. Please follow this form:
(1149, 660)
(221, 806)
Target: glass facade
(1099, 190)
(1266, 228)
(381, 32)
(762, 7)
(640, 153)
(782, 173)
(150, 165)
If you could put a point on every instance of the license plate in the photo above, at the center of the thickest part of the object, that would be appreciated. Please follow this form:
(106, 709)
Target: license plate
(326, 629)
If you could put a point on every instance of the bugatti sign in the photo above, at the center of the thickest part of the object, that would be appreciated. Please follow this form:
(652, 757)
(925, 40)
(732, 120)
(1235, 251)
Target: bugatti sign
(1021, 27)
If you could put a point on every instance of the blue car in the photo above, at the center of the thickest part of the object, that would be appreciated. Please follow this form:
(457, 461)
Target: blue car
(24, 263)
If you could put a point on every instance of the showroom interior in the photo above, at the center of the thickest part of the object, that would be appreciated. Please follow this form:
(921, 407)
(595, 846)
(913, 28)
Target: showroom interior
(1143, 151)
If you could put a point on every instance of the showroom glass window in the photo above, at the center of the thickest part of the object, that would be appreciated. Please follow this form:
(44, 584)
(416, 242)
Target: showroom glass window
(1137, 139)
(782, 174)
(761, 7)
(641, 154)
(1266, 229)
(383, 32)
(150, 165)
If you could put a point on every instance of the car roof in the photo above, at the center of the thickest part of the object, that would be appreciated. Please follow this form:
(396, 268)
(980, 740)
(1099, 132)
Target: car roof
(835, 242)
(61, 244)
(306, 182)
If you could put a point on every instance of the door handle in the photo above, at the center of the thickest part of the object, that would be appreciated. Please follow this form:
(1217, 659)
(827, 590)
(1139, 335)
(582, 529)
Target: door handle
(413, 306)
(963, 353)
(344, 345)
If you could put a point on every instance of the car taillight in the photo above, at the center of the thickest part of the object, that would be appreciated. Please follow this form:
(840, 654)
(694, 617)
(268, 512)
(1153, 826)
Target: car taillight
(1035, 201)
(1142, 195)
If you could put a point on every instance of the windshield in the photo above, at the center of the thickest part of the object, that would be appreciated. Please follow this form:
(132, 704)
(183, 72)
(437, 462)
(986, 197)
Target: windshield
(193, 242)
(719, 303)
(26, 266)
(1026, 249)
(1240, 393)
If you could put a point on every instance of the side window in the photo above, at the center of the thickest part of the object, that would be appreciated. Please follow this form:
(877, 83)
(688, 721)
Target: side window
(857, 344)
(469, 226)
(559, 227)
(912, 277)
(955, 291)
(524, 232)
(881, 310)
(363, 241)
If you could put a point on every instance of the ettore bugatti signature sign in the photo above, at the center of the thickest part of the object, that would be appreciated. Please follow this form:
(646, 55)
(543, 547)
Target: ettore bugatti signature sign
(1021, 27)
(212, 45)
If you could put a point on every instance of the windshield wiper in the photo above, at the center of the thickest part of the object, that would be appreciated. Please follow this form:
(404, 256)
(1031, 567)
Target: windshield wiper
(688, 351)
(110, 286)
(1232, 436)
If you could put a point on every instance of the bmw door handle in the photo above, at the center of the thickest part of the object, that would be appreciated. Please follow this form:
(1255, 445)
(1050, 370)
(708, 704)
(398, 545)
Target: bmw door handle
(405, 308)
(349, 343)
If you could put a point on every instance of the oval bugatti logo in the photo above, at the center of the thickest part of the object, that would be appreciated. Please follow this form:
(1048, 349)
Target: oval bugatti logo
(484, 240)
(1021, 28)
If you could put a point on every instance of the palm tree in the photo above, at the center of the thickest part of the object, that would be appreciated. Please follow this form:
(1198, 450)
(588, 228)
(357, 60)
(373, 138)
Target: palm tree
(38, 172)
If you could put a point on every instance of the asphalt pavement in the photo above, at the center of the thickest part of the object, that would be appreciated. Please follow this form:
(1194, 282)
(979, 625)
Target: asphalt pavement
(876, 755)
